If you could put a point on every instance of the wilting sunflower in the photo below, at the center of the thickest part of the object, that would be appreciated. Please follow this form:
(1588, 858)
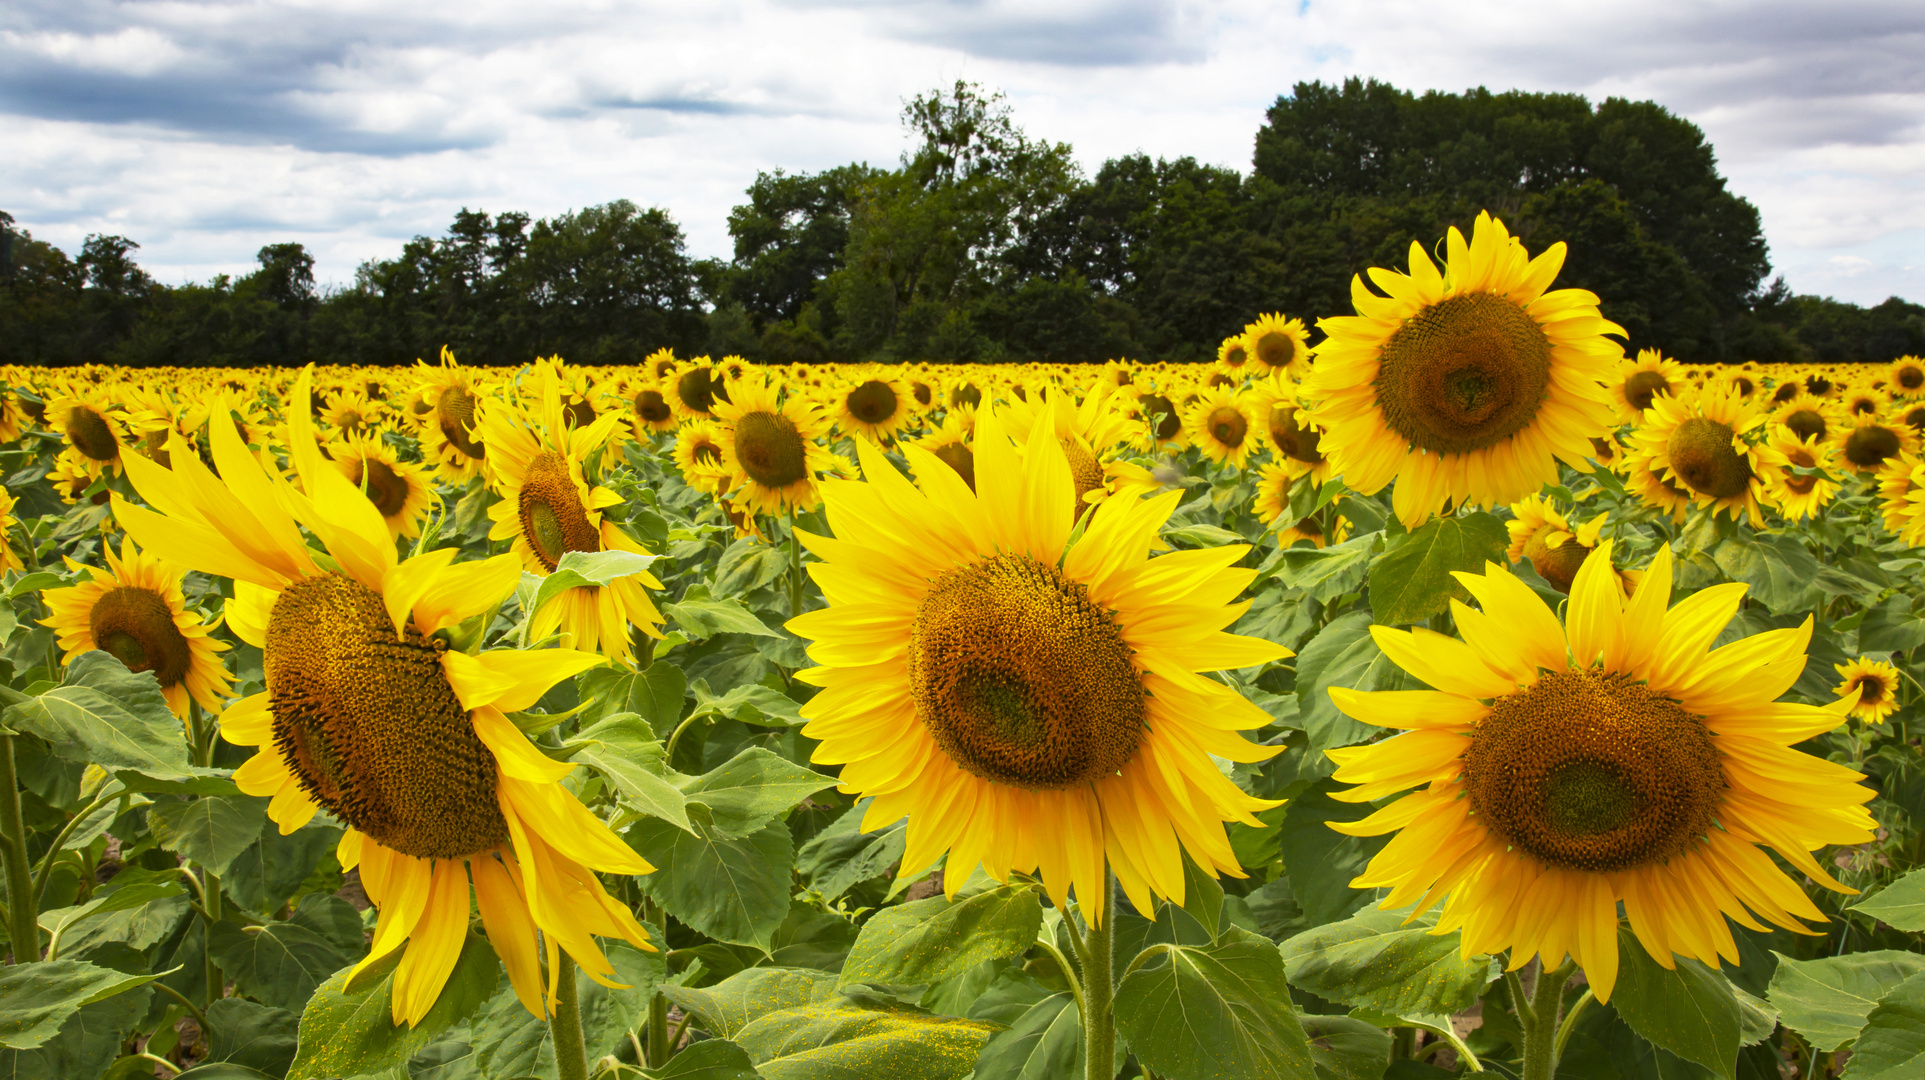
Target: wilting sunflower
(1233, 358)
(9, 559)
(649, 408)
(449, 437)
(774, 448)
(1907, 377)
(1028, 703)
(1542, 536)
(874, 406)
(548, 509)
(370, 715)
(1797, 495)
(1616, 757)
(1700, 442)
(1866, 441)
(1875, 685)
(400, 490)
(94, 429)
(1279, 347)
(1466, 384)
(134, 610)
(1219, 424)
(1640, 380)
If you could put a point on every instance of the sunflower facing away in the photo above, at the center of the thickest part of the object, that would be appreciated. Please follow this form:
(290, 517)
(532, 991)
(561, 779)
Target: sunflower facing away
(1467, 384)
(1026, 703)
(134, 610)
(370, 715)
(549, 510)
(1873, 684)
(1616, 757)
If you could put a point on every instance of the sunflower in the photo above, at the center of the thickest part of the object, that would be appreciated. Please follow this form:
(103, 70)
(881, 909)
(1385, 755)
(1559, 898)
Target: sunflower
(9, 560)
(1741, 384)
(1613, 758)
(548, 509)
(699, 454)
(1640, 380)
(1295, 442)
(448, 432)
(773, 444)
(134, 610)
(1700, 443)
(400, 490)
(1278, 346)
(92, 428)
(1797, 495)
(1907, 377)
(650, 410)
(1807, 416)
(660, 364)
(1090, 433)
(1219, 424)
(961, 391)
(1233, 358)
(1025, 702)
(1867, 441)
(1901, 497)
(1161, 420)
(1543, 536)
(949, 443)
(1911, 414)
(1863, 401)
(351, 413)
(694, 389)
(874, 406)
(71, 476)
(371, 716)
(1873, 684)
(13, 419)
(1274, 482)
(1465, 384)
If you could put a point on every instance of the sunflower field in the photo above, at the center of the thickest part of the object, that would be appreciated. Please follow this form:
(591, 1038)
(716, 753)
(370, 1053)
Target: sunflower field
(1451, 694)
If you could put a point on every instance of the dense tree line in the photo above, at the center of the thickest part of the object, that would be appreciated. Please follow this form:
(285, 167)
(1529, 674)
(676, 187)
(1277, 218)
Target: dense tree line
(986, 244)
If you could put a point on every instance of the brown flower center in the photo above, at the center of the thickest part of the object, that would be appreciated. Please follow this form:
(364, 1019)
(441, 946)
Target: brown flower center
(769, 448)
(1464, 374)
(553, 520)
(137, 627)
(455, 414)
(1701, 454)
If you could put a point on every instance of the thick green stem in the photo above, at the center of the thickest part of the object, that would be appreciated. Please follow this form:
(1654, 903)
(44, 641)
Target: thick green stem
(571, 1053)
(1099, 1020)
(1540, 1025)
(23, 924)
(658, 1042)
(795, 569)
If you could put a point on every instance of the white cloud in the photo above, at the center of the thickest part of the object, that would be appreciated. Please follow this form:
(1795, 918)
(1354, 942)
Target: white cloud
(205, 129)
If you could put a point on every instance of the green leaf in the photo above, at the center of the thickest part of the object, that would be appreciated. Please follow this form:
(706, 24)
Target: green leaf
(1327, 573)
(1891, 627)
(702, 618)
(730, 1005)
(250, 1035)
(625, 750)
(1827, 1000)
(1779, 569)
(278, 963)
(1900, 905)
(1690, 1011)
(107, 716)
(1044, 1042)
(1202, 536)
(506, 1040)
(211, 831)
(1214, 1011)
(927, 941)
(751, 788)
(274, 867)
(1320, 861)
(1377, 959)
(351, 1034)
(37, 998)
(1411, 582)
(1346, 1048)
(138, 908)
(842, 856)
(87, 1043)
(861, 1037)
(747, 565)
(656, 695)
(751, 703)
(588, 569)
(1202, 895)
(733, 889)
(1342, 654)
(1892, 1045)
(711, 1059)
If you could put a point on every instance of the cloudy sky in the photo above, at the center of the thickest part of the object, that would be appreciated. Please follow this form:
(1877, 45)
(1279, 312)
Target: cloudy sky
(205, 129)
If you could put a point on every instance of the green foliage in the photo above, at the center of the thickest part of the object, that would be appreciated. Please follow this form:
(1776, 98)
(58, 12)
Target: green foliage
(1828, 999)
(1386, 961)
(1690, 1010)
(348, 1034)
(1212, 1011)
(930, 940)
(1411, 580)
